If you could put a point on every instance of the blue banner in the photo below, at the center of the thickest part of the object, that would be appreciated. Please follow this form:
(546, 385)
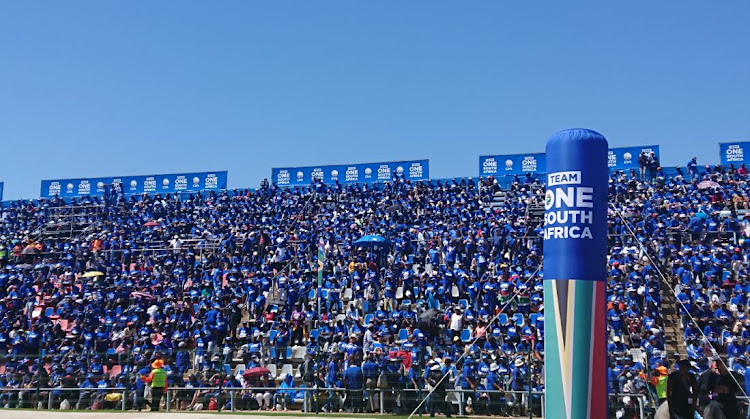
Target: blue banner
(619, 158)
(733, 153)
(575, 222)
(162, 184)
(512, 164)
(626, 158)
(351, 173)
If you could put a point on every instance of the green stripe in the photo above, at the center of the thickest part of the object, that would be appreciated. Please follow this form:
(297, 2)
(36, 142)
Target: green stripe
(554, 401)
(583, 314)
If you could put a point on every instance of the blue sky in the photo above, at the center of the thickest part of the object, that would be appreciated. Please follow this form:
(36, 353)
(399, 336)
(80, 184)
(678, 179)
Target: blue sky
(91, 88)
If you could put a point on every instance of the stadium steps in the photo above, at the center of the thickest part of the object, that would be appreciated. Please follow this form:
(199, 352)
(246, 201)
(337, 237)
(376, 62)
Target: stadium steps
(674, 342)
(498, 200)
(70, 222)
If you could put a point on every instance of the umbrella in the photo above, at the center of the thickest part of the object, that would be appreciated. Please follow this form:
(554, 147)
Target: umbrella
(372, 241)
(255, 372)
(707, 184)
(24, 266)
(141, 294)
(90, 274)
(151, 224)
(429, 314)
(30, 250)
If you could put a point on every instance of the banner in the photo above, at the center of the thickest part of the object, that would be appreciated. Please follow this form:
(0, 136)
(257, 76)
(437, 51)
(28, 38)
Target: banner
(129, 185)
(1, 190)
(512, 164)
(619, 158)
(733, 153)
(626, 158)
(351, 173)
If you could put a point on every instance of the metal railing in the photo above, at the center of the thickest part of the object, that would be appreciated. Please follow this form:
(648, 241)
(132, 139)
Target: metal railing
(308, 400)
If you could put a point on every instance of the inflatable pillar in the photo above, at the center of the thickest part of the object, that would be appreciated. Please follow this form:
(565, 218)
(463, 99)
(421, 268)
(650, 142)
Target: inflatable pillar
(575, 275)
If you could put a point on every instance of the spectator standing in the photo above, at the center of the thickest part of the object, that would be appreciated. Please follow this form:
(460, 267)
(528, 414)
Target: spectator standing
(354, 381)
(692, 168)
(643, 164)
(659, 381)
(158, 380)
(682, 392)
(436, 383)
(717, 385)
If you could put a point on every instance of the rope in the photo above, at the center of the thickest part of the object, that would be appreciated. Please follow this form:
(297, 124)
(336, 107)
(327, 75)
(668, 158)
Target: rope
(466, 351)
(687, 312)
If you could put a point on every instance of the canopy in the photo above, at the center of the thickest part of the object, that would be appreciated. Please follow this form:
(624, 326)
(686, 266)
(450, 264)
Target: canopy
(372, 241)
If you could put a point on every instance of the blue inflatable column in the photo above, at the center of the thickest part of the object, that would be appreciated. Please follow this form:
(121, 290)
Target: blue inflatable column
(575, 251)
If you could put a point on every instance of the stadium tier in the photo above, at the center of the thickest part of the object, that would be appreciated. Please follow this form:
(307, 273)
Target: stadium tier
(364, 291)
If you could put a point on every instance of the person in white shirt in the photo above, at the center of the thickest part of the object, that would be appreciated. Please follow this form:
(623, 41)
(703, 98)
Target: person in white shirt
(456, 324)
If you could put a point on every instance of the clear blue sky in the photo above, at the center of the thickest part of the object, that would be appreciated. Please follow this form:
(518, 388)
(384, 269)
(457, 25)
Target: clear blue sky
(97, 88)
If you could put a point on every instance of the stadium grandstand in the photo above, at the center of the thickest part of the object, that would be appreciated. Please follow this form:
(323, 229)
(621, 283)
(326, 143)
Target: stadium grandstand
(354, 298)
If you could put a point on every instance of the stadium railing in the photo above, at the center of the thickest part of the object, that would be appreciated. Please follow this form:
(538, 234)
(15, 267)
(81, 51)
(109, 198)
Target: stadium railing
(312, 400)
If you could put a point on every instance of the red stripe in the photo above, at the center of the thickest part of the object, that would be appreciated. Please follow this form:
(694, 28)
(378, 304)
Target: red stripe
(598, 401)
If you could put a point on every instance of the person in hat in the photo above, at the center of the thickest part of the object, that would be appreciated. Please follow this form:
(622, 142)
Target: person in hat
(158, 380)
(495, 389)
(436, 384)
(659, 381)
(87, 391)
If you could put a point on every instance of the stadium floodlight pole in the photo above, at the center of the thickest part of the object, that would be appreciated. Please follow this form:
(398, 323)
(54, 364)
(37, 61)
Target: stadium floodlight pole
(575, 252)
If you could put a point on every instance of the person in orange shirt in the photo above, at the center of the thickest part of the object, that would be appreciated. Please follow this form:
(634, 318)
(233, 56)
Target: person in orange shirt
(659, 381)
(158, 380)
(96, 245)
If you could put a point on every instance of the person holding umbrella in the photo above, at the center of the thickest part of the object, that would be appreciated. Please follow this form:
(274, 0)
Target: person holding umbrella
(158, 380)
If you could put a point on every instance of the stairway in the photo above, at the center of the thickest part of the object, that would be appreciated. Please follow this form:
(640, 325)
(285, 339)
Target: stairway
(498, 201)
(674, 341)
(70, 221)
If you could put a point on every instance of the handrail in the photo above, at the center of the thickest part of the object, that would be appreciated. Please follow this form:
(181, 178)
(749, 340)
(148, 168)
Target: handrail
(311, 395)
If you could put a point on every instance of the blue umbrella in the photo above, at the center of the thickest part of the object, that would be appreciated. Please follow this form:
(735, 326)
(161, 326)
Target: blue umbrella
(372, 241)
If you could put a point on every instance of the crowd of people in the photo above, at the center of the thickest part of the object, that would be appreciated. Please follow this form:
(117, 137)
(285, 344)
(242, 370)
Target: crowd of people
(266, 291)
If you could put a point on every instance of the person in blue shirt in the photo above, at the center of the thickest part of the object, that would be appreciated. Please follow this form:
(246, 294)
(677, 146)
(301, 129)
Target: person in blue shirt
(333, 381)
(495, 390)
(692, 168)
(353, 379)
(140, 385)
(86, 395)
(696, 227)
(283, 396)
(371, 372)
(282, 343)
(518, 378)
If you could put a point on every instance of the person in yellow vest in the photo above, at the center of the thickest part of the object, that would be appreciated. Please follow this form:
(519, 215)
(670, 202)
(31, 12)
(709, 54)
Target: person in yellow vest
(659, 381)
(158, 380)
